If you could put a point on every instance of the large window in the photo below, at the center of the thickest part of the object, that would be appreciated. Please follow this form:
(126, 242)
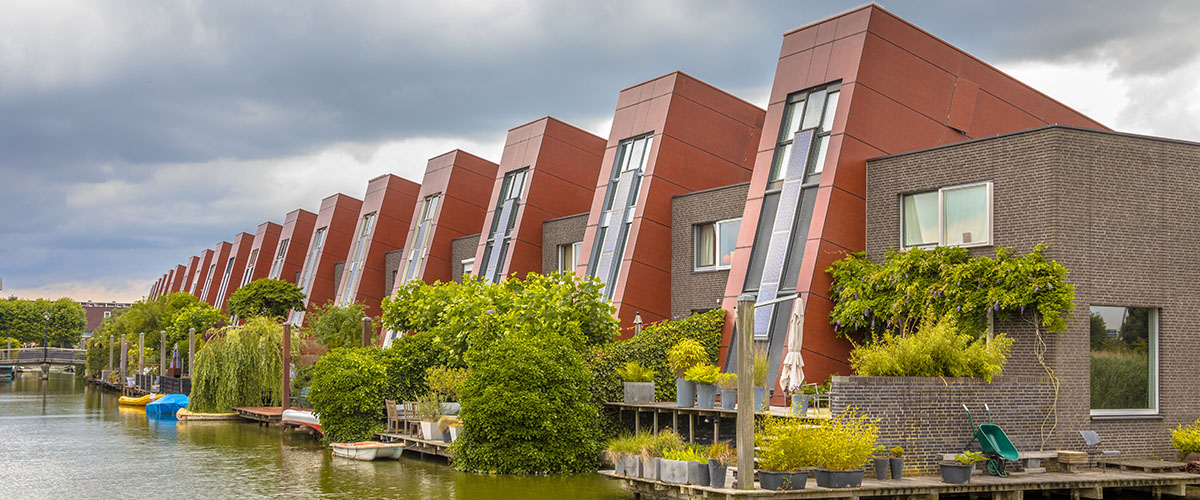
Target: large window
(225, 281)
(715, 243)
(249, 268)
(356, 260)
(950, 216)
(620, 203)
(277, 264)
(1124, 360)
(504, 218)
(568, 256)
(313, 258)
(420, 238)
(212, 269)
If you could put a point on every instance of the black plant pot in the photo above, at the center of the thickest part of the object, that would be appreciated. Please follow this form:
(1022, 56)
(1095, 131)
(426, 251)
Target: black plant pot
(841, 478)
(776, 481)
(897, 465)
(881, 468)
(716, 473)
(954, 473)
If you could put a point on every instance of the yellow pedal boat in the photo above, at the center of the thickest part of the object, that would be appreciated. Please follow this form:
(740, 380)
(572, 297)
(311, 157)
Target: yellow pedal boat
(142, 401)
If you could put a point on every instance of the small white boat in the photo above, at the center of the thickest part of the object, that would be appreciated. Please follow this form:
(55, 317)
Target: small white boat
(300, 418)
(367, 450)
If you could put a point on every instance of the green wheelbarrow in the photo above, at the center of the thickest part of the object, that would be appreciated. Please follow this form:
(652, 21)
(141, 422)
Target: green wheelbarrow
(994, 442)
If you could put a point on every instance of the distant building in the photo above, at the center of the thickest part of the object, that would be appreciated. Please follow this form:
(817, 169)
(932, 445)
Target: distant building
(97, 311)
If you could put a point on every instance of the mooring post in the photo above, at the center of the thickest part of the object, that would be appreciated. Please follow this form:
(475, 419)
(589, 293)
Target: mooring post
(287, 367)
(110, 353)
(162, 354)
(745, 395)
(141, 355)
(124, 360)
(366, 331)
(191, 349)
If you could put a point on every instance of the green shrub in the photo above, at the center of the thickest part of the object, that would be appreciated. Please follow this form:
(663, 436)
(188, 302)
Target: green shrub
(761, 368)
(663, 442)
(684, 355)
(635, 372)
(703, 373)
(267, 297)
(692, 453)
(1186, 439)
(347, 393)
(848, 440)
(787, 444)
(429, 406)
(339, 326)
(728, 381)
(649, 349)
(970, 457)
(242, 366)
(722, 453)
(934, 350)
(632, 444)
(446, 381)
(408, 360)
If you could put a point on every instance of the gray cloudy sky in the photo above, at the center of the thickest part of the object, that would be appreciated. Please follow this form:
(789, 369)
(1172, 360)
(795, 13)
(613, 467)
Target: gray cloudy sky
(134, 134)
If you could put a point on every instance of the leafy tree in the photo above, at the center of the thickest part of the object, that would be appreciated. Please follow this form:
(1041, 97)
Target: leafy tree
(241, 366)
(200, 316)
(1135, 329)
(348, 388)
(265, 297)
(1098, 332)
(24, 320)
(144, 316)
(339, 326)
(408, 360)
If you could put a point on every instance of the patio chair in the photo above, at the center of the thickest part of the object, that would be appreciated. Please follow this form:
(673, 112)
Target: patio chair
(408, 418)
(393, 419)
(1092, 439)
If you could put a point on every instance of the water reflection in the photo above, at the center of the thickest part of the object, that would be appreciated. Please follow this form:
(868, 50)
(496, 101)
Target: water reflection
(66, 439)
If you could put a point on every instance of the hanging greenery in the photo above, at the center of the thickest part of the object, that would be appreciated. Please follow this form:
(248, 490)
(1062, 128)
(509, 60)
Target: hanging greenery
(240, 366)
(945, 283)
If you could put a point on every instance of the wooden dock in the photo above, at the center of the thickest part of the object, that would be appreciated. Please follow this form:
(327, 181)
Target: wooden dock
(671, 408)
(1084, 485)
(425, 447)
(264, 415)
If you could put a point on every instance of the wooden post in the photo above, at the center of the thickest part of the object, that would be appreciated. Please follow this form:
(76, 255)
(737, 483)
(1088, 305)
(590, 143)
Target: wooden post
(745, 395)
(162, 353)
(366, 331)
(287, 365)
(110, 353)
(141, 352)
(191, 349)
(124, 361)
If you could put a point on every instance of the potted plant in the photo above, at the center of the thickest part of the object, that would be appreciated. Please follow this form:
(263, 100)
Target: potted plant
(879, 459)
(623, 453)
(1186, 439)
(429, 409)
(446, 381)
(762, 367)
(959, 471)
(728, 383)
(639, 382)
(719, 456)
(787, 448)
(687, 465)
(451, 427)
(848, 440)
(897, 462)
(652, 450)
(705, 376)
(684, 355)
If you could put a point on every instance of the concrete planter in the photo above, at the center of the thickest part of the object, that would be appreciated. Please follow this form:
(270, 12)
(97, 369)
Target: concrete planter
(728, 399)
(717, 473)
(430, 431)
(955, 473)
(706, 396)
(685, 393)
(630, 464)
(839, 478)
(800, 404)
(697, 473)
(673, 471)
(454, 432)
(760, 399)
(651, 467)
(639, 392)
(881, 467)
(778, 481)
(897, 466)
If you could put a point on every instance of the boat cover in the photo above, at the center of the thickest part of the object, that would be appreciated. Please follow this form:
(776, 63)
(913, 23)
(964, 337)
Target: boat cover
(167, 405)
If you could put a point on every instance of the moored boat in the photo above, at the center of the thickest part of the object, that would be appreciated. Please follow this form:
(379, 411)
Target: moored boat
(368, 450)
(7, 373)
(138, 401)
(300, 418)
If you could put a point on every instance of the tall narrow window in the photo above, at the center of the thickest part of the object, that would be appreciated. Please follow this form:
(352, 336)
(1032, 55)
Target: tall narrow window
(1124, 360)
(468, 266)
(715, 243)
(277, 264)
(212, 269)
(568, 256)
(313, 258)
(620, 203)
(950, 216)
(225, 281)
(504, 218)
(249, 268)
(420, 238)
(356, 260)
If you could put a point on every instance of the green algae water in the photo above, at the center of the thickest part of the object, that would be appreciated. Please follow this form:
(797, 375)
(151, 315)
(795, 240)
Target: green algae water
(63, 438)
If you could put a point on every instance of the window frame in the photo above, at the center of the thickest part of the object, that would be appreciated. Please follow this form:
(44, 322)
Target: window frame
(941, 215)
(468, 262)
(716, 225)
(1152, 349)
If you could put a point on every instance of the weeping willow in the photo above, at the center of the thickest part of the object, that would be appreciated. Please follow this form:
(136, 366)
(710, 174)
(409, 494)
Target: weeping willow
(240, 366)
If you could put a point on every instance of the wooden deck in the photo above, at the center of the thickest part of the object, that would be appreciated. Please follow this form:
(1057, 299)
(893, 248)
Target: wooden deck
(1084, 485)
(267, 415)
(671, 408)
(436, 448)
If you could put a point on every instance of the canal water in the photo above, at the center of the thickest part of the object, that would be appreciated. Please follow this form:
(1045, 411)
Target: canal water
(64, 439)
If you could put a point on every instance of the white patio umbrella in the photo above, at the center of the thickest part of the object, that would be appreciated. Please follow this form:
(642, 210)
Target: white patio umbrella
(792, 373)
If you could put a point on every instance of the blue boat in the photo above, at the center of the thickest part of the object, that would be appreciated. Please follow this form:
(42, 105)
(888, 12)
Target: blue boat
(6, 373)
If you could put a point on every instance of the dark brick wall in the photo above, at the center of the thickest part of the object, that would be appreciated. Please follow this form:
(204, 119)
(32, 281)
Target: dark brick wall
(391, 268)
(462, 248)
(1119, 212)
(557, 232)
(691, 290)
(924, 415)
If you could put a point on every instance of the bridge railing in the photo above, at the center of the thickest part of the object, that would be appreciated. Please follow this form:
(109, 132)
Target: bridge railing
(39, 355)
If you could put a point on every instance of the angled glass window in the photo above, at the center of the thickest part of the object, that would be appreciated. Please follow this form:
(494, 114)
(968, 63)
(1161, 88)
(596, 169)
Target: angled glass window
(504, 219)
(212, 269)
(620, 203)
(312, 259)
(950, 216)
(249, 268)
(277, 264)
(1124, 360)
(420, 239)
(356, 260)
(225, 282)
